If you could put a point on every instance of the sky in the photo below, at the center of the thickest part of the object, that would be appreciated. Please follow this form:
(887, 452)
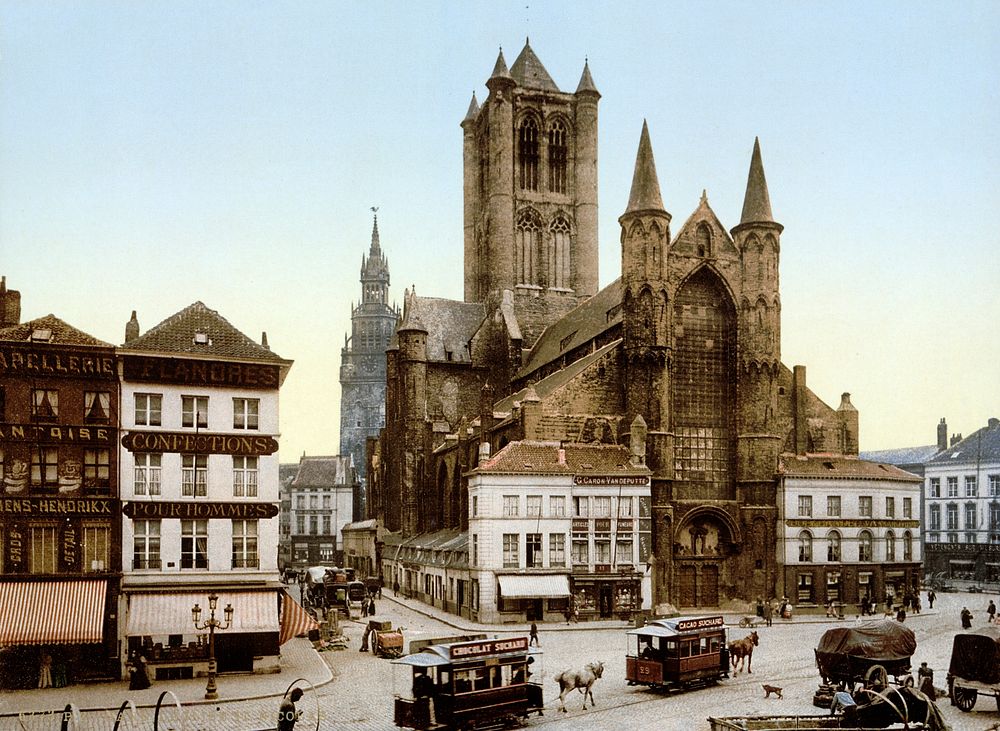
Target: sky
(155, 154)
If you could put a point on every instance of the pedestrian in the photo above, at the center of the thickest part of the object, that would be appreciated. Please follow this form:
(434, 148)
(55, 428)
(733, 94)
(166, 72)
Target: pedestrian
(568, 613)
(395, 587)
(364, 608)
(925, 677)
(138, 674)
(768, 612)
(901, 615)
(533, 635)
(931, 596)
(991, 611)
(371, 606)
(966, 618)
(45, 671)
(287, 715)
(760, 607)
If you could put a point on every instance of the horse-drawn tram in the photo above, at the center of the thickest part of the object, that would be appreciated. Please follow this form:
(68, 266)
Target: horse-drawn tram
(975, 666)
(677, 652)
(468, 685)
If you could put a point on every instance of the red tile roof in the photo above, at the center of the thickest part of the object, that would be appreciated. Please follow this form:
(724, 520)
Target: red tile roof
(530, 457)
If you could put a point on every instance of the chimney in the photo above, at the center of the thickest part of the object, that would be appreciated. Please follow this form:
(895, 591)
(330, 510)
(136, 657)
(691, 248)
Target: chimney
(10, 305)
(531, 415)
(942, 435)
(562, 457)
(955, 439)
(263, 340)
(131, 329)
(993, 423)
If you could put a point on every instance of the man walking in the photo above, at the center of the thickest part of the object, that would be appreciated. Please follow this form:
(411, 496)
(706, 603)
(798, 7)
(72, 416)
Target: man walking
(533, 635)
(287, 715)
(991, 611)
(931, 596)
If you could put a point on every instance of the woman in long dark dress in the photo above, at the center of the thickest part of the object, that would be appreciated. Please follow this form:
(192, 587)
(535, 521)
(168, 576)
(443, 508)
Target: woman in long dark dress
(139, 674)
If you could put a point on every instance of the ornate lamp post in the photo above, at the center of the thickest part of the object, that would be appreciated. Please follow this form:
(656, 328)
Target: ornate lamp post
(212, 624)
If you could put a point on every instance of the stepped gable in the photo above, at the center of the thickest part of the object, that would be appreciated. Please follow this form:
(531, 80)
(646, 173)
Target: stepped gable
(450, 325)
(536, 457)
(838, 467)
(580, 325)
(60, 333)
(176, 334)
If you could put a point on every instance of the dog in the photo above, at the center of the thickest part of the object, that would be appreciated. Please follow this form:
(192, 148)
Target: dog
(768, 689)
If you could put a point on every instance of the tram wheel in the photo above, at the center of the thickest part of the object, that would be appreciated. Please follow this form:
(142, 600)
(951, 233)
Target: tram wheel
(965, 698)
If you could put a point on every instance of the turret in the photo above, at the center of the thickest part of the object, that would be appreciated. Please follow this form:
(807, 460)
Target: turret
(497, 272)
(472, 168)
(587, 96)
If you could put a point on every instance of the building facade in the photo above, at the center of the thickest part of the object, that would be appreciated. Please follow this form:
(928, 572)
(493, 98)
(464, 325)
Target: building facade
(322, 503)
(60, 534)
(688, 338)
(962, 508)
(850, 531)
(362, 359)
(199, 476)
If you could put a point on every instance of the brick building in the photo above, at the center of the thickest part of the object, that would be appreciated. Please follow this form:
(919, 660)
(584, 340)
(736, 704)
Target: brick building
(688, 338)
(60, 534)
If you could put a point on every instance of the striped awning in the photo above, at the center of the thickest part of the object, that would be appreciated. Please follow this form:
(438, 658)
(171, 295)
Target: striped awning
(294, 620)
(170, 614)
(52, 612)
(534, 587)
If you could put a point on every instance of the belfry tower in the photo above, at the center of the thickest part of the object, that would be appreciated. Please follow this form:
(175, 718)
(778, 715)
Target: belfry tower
(530, 187)
(362, 359)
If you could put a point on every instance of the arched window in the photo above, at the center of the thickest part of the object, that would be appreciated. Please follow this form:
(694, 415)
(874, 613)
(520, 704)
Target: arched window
(527, 154)
(558, 258)
(907, 546)
(805, 546)
(557, 158)
(864, 546)
(704, 241)
(833, 546)
(526, 250)
(890, 546)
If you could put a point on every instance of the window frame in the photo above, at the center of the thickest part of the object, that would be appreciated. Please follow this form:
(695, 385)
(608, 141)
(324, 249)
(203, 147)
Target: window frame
(246, 413)
(192, 413)
(150, 416)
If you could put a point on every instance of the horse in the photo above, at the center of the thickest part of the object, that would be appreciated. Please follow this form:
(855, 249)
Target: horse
(893, 705)
(582, 680)
(741, 651)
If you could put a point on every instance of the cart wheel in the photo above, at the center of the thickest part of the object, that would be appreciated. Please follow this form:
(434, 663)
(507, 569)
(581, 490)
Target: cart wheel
(965, 698)
(744, 622)
(876, 677)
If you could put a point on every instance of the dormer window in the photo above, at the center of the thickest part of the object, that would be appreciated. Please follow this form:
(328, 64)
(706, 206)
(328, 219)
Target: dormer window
(41, 335)
(201, 338)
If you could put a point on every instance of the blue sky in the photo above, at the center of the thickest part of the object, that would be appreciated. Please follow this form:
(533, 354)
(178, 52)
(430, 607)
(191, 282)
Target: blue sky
(153, 154)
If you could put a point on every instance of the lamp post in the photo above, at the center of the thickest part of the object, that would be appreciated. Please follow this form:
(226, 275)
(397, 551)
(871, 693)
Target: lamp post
(212, 624)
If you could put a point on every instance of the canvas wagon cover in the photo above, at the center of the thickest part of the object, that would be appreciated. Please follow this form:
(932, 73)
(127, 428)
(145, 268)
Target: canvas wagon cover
(884, 640)
(975, 655)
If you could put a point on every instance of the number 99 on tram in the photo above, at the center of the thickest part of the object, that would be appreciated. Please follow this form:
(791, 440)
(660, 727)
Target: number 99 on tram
(677, 653)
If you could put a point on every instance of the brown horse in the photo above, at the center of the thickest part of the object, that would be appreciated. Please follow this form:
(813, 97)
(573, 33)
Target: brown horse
(741, 651)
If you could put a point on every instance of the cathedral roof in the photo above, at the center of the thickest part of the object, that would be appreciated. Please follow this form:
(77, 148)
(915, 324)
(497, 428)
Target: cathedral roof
(49, 330)
(331, 471)
(555, 381)
(450, 325)
(529, 72)
(757, 202)
(580, 325)
(982, 446)
(645, 193)
(840, 467)
(587, 81)
(558, 458)
(180, 333)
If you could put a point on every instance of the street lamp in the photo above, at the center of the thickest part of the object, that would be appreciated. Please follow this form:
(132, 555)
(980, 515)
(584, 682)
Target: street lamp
(212, 624)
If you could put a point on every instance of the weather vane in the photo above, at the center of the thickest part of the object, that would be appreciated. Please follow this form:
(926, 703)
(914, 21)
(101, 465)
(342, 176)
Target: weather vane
(374, 209)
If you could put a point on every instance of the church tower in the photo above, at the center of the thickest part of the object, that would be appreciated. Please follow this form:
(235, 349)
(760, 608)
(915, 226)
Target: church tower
(362, 359)
(530, 187)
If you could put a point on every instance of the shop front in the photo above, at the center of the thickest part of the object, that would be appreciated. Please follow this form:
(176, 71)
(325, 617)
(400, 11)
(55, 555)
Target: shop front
(605, 596)
(55, 633)
(533, 597)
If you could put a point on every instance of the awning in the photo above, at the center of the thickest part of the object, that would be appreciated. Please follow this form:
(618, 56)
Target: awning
(294, 619)
(170, 614)
(534, 587)
(52, 612)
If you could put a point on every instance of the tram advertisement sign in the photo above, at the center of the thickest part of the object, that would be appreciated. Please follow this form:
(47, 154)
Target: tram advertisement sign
(468, 650)
(699, 623)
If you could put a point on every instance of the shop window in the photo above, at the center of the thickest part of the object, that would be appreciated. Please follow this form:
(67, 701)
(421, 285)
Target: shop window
(96, 554)
(44, 555)
(805, 589)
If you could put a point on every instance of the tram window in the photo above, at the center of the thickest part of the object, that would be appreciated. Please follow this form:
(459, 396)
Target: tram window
(672, 647)
(496, 678)
(714, 643)
(685, 649)
(463, 681)
(480, 680)
(444, 679)
(704, 645)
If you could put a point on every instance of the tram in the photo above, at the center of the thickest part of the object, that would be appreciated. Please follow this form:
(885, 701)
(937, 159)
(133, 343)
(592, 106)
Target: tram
(677, 652)
(468, 685)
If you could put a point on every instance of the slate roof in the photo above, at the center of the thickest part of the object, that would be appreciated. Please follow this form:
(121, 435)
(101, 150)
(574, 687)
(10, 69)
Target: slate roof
(645, 192)
(838, 467)
(983, 445)
(450, 325)
(581, 324)
(529, 72)
(901, 456)
(531, 457)
(361, 525)
(756, 202)
(62, 333)
(587, 81)
(324, 472)
(176, 334)
(558, 379)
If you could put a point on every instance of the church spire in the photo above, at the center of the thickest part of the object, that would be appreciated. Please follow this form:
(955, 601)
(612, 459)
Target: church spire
(375, 251)
(587, 85)
(473, 109)
(645, 193)
(757, 202)
(500, 76)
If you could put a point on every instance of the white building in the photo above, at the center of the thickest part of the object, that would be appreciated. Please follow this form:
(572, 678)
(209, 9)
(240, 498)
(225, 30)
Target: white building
(559, 527)
(321, 499)
(199, 486)
(847, 529)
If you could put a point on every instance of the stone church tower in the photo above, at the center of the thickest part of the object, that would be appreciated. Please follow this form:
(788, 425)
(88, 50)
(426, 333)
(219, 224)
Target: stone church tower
(362, 359)
(701, 326)
(530, 188)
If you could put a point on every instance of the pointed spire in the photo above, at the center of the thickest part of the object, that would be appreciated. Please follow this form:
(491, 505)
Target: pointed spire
(375, 250)
(645, 193)
(529, 72)
(473, 109)
(756, 203)
(587, 85)
(500, 73)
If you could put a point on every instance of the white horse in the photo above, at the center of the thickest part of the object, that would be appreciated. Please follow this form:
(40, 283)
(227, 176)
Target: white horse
(582, 680)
